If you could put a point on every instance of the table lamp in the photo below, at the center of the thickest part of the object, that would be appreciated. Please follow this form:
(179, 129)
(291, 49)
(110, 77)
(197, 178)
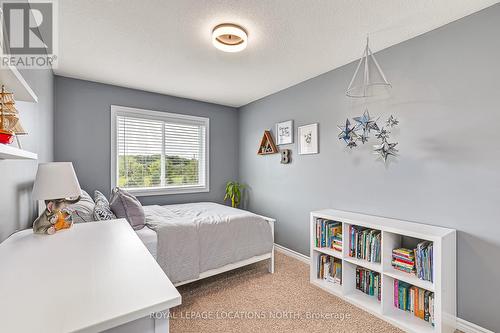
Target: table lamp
(56, 184)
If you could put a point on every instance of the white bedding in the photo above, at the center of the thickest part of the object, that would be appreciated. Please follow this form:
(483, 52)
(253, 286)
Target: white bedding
(197, 237)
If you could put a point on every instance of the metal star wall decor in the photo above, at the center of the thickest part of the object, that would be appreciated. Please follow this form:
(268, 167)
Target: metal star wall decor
(347, 133)
(365, 124)
(385, 149)
(352, 144)
(382, 134)
(392, 121)
(364, 138)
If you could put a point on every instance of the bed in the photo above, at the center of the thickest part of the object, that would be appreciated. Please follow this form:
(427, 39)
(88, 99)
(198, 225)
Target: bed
(197, 240)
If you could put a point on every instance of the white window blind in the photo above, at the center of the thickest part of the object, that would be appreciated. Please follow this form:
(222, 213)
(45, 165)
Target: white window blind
(157, 152)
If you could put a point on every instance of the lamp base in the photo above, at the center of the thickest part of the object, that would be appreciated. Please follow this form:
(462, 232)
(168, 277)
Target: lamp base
(54, 217)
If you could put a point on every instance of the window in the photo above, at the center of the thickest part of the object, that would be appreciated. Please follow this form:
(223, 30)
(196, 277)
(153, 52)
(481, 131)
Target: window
(158, 152)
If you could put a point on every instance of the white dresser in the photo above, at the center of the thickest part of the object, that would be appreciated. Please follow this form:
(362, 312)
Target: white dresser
(93, 277)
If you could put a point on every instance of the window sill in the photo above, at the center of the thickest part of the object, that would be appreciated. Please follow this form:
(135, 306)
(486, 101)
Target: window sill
(143, 192)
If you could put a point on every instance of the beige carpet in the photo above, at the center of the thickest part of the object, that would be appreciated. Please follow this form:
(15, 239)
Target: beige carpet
(252, 300)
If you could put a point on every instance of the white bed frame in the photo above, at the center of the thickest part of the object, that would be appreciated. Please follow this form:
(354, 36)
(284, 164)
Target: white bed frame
(229, 267)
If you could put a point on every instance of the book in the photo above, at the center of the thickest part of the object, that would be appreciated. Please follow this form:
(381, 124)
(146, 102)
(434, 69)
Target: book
(403, 260)
(328, 234)
(369, 282)
(396, 294)
(364, 243)
(419, 302)
(329, 269)
(424, 260)
(418, 261)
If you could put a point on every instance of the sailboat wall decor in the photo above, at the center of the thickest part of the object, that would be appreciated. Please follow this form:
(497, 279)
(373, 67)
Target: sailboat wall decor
(367, 77)
(10, 126)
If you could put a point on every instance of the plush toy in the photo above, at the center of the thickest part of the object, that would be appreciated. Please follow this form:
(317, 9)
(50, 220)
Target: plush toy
(55, 217)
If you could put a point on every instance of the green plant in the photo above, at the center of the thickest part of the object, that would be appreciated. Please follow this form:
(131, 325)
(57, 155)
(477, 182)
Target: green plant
(233, 193)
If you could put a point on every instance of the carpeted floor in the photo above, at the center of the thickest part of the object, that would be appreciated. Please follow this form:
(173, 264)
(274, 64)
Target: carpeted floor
(252, 300)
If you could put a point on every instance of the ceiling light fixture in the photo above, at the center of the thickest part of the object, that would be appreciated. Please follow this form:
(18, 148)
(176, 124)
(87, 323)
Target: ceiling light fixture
(229, 37)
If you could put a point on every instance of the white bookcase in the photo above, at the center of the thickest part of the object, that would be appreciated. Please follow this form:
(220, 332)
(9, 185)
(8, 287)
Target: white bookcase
(394, 233)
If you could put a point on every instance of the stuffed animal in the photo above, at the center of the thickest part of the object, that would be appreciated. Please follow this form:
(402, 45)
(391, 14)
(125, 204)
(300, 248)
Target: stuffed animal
(55, 217)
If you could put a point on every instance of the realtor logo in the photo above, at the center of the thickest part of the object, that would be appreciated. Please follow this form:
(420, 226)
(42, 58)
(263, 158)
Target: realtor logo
(29, 34)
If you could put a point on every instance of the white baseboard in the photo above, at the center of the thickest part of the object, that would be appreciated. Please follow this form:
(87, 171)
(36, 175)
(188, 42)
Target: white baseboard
(462, 325)
(468, 327)
(292, 253)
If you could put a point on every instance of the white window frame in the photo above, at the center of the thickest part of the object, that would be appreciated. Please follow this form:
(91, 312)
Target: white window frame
(117, 110)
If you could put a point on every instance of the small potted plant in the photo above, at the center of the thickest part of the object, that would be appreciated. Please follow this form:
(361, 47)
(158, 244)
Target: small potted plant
(233, 193)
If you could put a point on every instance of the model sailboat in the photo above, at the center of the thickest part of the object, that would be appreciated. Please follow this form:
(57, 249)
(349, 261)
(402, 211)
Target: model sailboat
(10, 125)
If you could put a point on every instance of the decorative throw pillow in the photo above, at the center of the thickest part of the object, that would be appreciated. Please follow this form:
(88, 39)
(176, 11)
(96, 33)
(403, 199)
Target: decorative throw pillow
(102, 211)
(125, 205)
(100, 199)
(83, 210)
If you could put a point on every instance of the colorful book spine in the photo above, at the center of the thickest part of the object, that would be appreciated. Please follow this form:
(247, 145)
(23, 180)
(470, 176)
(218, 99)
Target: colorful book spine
(417, 301)
(329, 234)
(418, 261)
(364, 243)
(403, 260)
(329, 269)
(368, 282)
(424, 260)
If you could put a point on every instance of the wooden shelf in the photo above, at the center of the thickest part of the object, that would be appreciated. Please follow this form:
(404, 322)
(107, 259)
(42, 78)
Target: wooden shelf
(394, 234)
(14, 82)
(267, 145)
(13, 153)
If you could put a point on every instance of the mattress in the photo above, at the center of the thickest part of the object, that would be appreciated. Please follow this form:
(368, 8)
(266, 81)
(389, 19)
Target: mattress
(149, 238)
(197, 237)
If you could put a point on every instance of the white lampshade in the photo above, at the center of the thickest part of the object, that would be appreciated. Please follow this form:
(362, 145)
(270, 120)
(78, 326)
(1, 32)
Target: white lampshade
(55, 180)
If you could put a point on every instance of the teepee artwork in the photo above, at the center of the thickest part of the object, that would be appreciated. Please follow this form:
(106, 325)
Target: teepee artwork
(267, 145)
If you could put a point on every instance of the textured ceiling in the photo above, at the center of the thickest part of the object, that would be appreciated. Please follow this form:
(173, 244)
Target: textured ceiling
(165, 46)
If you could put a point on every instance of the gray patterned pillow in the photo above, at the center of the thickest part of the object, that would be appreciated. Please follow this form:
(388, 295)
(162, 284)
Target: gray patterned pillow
(100, 199)
(83, 210)
(102, 211)
(125, 205)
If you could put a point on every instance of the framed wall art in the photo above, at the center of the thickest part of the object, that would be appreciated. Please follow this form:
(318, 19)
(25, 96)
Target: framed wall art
(308, 139)
(284, 132)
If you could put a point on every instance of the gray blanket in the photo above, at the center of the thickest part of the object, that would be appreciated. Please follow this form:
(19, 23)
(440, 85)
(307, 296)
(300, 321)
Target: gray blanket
(196, 237)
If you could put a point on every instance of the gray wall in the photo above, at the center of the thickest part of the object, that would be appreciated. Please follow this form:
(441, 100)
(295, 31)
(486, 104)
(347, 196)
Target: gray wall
(17, 210)
(446, 96)
(82, 134)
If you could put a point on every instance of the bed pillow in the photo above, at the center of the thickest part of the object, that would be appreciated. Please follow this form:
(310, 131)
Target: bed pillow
(125, 205)
(102, 211)
(83, 210)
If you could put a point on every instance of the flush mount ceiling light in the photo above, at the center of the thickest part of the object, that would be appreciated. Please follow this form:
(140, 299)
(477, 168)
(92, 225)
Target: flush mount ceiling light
(229, 37)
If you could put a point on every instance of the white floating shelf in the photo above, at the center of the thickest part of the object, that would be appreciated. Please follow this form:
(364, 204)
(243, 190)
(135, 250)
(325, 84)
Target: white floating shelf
(13, 153)
(14, 82)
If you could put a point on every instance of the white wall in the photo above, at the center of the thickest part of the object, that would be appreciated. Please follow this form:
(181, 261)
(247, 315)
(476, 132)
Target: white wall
(17, 209)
